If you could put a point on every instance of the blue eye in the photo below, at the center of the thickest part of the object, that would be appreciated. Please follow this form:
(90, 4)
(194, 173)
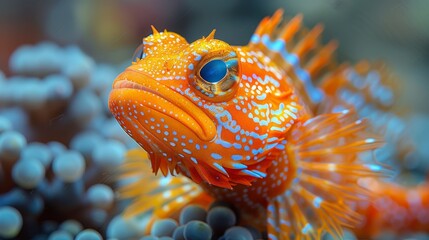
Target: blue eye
(214, 71)
(215, 77)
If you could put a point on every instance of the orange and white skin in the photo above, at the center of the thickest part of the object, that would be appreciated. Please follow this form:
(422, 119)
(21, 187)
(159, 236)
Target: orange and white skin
(235, 123)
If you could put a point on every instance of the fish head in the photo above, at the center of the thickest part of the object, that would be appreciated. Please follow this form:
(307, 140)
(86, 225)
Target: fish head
(209, 110)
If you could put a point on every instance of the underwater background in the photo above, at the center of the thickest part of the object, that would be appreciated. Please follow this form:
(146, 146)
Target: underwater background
(59, 145)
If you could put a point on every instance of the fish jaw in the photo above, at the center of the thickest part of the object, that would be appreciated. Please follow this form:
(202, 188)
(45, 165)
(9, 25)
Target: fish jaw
(153, 113)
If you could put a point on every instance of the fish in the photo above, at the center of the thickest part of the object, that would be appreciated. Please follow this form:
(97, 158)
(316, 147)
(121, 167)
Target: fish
(260, 126)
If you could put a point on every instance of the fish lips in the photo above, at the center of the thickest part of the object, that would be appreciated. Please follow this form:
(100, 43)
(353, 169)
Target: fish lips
(138, 96)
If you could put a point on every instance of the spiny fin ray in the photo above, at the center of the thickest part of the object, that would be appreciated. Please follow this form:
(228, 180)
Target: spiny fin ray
(371, 89)
(298, 51)
(317, 201)
(160, 195)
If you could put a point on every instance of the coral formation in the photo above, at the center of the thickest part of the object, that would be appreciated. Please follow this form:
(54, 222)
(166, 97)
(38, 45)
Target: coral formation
(59, 147)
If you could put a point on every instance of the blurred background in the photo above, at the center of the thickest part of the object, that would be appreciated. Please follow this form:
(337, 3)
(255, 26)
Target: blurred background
(91, 41)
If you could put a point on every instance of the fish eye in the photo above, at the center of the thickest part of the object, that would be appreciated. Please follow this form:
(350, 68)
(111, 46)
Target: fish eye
(138, 53)
(214, 71)
(216, 75)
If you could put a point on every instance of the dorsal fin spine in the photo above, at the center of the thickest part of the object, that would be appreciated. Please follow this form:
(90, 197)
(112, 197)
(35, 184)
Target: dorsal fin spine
(278, 46)
(320, 60)
(274, 44)
(292, 27)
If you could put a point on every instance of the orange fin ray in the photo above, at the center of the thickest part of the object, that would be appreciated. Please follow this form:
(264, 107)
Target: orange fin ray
(325, 185)
(321, 59)
(291, 28)
(352, 128)
(159, 195)
(298, 51)
(371, 90)
(335, 188)
(308, 42)
(361, 145)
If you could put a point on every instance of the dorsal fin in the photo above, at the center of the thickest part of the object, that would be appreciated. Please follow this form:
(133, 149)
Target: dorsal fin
(296, 50)
(371, 89)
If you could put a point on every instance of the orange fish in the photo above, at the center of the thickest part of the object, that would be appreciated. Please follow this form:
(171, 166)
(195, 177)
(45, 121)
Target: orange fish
(251, 125)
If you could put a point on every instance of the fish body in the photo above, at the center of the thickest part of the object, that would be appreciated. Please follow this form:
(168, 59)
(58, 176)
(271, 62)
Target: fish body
(243, 124)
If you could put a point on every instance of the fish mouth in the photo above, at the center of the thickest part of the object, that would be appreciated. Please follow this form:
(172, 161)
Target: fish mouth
(148, 93)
